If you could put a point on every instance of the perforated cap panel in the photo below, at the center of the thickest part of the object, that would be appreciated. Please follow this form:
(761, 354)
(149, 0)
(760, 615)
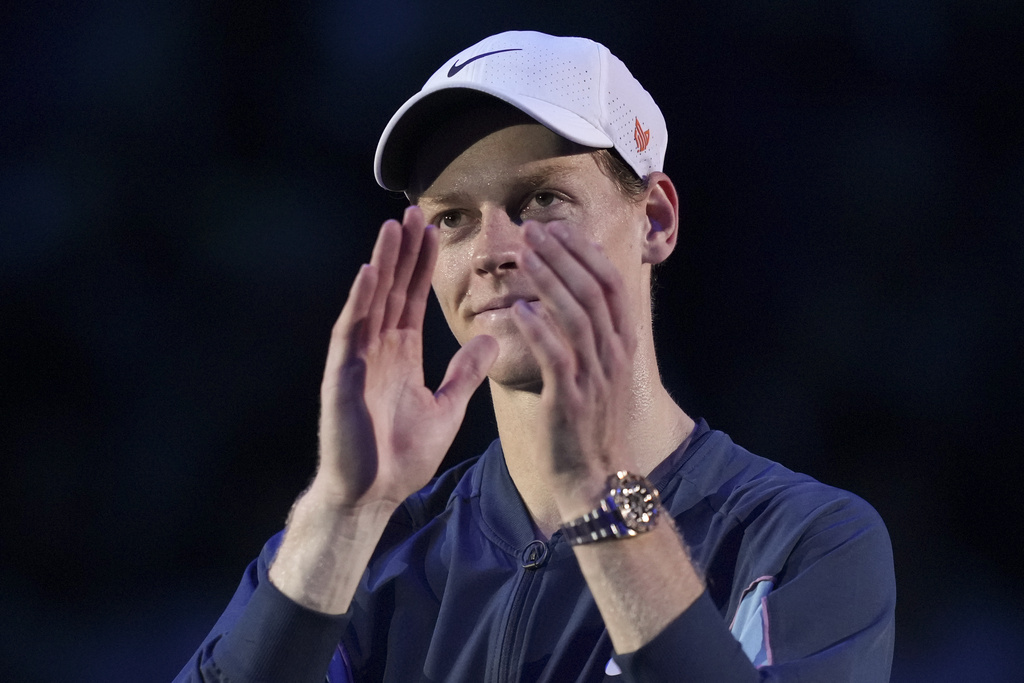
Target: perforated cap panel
(574, 86)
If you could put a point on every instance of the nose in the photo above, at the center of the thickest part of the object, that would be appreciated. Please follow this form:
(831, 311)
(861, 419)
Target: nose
(498, 241)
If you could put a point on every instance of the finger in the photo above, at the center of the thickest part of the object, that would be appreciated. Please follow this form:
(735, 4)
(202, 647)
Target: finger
(348, 336)
(579, 280)
(560, 283)
(465, 372)
(419, 284)
(601, 293)
(384, 259)
(558, 362)
(591, 257)
(408, 259)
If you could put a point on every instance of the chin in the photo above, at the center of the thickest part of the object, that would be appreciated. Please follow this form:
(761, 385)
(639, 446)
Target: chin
(518, 371)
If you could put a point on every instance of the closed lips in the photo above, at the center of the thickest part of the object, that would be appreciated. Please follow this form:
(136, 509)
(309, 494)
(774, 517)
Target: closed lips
(503, 302)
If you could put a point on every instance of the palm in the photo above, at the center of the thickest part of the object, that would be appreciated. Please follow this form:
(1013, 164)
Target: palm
(402, 422)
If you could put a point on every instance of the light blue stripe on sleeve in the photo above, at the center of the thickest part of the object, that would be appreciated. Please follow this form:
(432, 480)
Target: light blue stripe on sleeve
(750, 625)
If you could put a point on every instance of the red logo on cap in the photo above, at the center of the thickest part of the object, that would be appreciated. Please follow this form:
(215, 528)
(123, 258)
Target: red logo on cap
(642, 137)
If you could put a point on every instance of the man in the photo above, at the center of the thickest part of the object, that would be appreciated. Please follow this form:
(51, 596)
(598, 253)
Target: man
(534, 165)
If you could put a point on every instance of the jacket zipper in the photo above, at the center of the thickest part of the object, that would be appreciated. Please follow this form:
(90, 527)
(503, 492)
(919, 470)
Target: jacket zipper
(508, 659)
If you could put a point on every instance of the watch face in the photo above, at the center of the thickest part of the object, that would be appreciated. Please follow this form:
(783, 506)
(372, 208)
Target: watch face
(637, 502)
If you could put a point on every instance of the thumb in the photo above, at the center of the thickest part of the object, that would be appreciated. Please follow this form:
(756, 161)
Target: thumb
(466, 371)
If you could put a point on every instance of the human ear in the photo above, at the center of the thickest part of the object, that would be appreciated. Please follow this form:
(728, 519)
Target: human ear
(662, 206)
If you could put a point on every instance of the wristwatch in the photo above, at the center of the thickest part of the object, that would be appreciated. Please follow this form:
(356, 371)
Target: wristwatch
(630, 508)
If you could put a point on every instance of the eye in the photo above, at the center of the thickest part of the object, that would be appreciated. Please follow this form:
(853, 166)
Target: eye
(450, 219)
(539, 202)
(544, 199)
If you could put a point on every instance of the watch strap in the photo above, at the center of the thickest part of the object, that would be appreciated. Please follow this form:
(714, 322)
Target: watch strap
(597, 525)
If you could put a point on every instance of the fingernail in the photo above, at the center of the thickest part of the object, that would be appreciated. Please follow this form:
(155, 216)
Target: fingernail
(558, 230)
(521, 307)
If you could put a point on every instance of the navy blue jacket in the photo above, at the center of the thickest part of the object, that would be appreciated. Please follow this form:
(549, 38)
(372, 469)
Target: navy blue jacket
(799, 577)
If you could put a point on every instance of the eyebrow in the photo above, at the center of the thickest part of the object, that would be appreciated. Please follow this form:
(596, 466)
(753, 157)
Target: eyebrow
(446, 198)
(545, 174)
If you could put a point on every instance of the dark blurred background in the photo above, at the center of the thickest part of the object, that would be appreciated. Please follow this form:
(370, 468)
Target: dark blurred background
(186, 193)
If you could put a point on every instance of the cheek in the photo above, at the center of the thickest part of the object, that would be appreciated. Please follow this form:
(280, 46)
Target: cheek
(445, 268)
(445, 281)
(620, 231)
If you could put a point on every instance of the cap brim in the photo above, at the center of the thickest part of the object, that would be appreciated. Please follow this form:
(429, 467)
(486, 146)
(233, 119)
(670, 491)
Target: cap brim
(426, 111)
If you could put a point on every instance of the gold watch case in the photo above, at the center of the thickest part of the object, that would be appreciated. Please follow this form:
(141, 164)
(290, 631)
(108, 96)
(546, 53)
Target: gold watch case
(636, 500)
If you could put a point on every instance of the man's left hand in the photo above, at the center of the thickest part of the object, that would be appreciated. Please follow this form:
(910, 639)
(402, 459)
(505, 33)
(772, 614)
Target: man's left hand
(583, 335)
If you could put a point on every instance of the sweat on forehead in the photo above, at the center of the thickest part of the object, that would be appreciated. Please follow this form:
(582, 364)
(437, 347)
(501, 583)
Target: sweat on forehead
(460, 131)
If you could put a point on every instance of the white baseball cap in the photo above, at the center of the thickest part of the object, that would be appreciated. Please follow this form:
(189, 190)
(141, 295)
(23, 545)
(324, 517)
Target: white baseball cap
(574, 86)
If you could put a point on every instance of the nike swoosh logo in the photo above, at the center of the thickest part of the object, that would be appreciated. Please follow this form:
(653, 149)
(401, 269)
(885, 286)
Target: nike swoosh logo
(456, 67)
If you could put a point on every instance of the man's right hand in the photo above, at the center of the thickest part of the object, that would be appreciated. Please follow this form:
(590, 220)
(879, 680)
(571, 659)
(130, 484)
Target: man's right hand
(383, 433)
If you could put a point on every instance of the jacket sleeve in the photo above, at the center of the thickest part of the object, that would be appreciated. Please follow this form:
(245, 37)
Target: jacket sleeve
(826, 614)
(264, 636)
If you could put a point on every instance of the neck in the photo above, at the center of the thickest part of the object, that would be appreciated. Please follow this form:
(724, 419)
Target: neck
(656, 426)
